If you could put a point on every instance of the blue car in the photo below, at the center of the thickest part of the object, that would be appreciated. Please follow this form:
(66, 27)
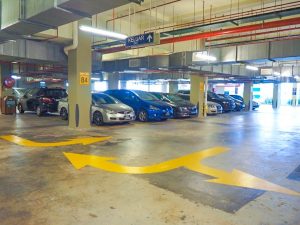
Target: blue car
(146, 106)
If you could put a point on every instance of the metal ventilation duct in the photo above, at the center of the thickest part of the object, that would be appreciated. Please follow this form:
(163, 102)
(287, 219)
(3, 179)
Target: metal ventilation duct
(32, 51)
(149, 63)
(26, 17)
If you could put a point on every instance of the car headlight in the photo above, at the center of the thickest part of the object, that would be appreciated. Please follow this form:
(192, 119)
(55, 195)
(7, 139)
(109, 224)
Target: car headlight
(153, 107)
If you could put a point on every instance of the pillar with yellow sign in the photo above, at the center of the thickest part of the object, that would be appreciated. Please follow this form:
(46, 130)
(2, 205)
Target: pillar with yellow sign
(199, 84)
(79, 76)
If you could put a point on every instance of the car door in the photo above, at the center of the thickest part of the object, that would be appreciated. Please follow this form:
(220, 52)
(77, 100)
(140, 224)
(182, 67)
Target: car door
(33, 99)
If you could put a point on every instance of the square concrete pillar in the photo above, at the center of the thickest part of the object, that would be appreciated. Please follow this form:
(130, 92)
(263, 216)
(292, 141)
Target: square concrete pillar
(113, 80)
(198, 96)
(248, 96)
(5, 72)
(173, 86)
(79, 76)
(276, 96)
(295, 95)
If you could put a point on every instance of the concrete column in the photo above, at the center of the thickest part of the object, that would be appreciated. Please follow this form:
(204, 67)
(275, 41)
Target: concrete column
(248, 96)
(276, 96)
(113, 81)
(5, 72)
(199, 85)
(173, 86)
(294, 95)
(79, 76)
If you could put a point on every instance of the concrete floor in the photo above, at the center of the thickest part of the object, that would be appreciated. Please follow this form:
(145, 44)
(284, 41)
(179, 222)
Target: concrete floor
(40, 186)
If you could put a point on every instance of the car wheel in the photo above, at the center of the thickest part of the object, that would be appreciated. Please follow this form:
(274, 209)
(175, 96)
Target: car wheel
(64, 114)
(20, 109)
(143, 116)
(39, 111)
(98, 118)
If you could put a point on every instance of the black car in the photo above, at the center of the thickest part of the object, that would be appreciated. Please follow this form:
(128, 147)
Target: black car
(181, 107)
(185, 94)
(41, 100)
(255, 105)
(228, 105)
(239, 105)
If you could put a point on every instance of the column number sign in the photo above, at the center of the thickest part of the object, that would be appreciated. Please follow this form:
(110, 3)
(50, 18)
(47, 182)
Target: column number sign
(84, 78)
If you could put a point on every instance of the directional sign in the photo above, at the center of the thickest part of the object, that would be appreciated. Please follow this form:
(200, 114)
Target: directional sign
(142, 39)
(191, 162)
(76, 141)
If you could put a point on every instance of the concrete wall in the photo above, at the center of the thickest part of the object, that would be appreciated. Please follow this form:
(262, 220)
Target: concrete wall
(10, 12)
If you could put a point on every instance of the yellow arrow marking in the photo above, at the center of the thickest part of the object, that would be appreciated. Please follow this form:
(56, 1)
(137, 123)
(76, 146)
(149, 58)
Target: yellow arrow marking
(76, 141)
(191, 162)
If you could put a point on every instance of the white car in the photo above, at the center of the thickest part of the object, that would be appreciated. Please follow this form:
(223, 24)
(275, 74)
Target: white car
(214, 108)
(105, 109)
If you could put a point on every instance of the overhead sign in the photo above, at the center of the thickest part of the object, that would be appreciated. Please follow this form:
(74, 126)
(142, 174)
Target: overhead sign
(142, 39)
(84, 78)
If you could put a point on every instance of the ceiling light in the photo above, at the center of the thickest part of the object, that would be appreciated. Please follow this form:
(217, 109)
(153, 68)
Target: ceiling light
(14, 62)
(254, 68)
(277, 74)
(286, 73)
(95, 78)
(205, 56)
(103, 33)
(15, 77)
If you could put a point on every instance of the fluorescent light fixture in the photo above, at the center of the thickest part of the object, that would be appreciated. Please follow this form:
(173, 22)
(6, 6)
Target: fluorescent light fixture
(14, 62)
(15, 77)
(277, 74)
(95, 78)
(254, 68)
(103, 33)
(205, 56)
(286, 73)
(67, 84)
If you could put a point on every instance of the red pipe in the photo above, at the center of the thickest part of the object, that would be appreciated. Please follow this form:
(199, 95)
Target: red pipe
(254, 34)
(204, 35)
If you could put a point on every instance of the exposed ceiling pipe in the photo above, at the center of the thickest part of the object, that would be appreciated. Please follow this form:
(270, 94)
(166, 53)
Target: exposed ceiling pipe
(75, 39)
(204, 35)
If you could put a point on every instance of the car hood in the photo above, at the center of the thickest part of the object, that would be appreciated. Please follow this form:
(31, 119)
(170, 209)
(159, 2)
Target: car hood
(182, 104)
(115, 107)
(213, 103)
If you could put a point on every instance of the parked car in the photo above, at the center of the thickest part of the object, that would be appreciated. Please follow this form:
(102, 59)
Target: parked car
(181, 107)
(146, 106)
(227, 105)
(239, 105)
(214, 108)
(41, 100)
(105, 109)
(185, 94)
(255, 104)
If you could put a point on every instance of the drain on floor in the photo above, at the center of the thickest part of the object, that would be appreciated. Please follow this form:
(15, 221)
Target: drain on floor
(295, 175)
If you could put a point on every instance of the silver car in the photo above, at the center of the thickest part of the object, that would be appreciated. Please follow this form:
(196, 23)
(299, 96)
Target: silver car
(214, 108)
(105, 109)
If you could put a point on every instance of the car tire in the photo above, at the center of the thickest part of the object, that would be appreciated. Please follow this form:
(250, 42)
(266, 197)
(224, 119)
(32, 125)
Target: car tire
(20, 109)
(98, 118)
(143, 116)
(39, 111)
(64, 114)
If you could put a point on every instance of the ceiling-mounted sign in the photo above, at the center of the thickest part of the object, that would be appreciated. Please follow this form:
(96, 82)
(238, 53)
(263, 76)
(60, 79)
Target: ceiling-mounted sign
(84, 78)
(143, 40)
(9, 82)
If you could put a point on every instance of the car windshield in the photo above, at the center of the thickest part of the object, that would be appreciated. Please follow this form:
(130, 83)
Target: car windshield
(174, 98)
(146, 96)
(56, 93)
(100, 99)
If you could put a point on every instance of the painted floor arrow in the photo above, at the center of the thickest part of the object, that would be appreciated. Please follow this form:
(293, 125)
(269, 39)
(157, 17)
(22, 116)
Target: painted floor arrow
(76, 141)
(191, 162)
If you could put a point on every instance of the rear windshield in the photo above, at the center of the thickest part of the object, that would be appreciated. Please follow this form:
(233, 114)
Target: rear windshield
(56, 93)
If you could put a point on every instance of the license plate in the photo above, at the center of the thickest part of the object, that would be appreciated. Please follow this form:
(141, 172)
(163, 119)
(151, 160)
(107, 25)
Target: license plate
(127, 117)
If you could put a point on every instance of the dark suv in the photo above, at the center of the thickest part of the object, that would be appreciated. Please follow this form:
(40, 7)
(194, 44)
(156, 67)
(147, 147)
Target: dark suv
(41, 100)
